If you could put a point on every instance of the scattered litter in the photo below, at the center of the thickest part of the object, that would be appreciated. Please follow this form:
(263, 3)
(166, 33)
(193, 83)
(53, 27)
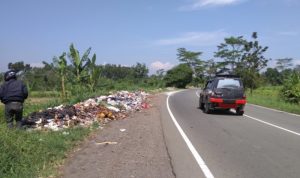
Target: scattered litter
(107, 143)
(113, 108)
(65, 133)
(122, 130)
(101, 109)
(145, 106)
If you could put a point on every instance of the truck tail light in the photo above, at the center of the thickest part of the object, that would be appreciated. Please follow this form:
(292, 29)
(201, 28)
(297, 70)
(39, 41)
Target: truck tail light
(216, 100)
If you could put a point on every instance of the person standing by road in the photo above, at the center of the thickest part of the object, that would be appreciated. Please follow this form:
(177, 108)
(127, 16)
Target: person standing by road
(13, 92)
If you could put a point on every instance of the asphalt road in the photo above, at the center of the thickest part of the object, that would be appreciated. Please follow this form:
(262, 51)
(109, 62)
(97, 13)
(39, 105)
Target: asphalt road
(261, 144)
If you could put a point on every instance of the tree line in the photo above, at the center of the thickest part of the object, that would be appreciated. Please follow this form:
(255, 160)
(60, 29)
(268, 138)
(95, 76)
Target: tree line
(245, 58)
(72, 72)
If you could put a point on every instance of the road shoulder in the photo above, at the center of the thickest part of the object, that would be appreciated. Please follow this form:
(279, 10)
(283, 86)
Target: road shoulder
(137, 151)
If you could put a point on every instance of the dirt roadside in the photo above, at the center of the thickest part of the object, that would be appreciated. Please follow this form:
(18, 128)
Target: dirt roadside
(139, 151)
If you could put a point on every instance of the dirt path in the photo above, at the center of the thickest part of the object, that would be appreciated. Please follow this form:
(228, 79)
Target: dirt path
(139, 151)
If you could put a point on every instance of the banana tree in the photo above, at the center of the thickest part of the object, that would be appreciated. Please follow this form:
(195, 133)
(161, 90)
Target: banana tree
(78, 63)
(61, 63)
(94, 73)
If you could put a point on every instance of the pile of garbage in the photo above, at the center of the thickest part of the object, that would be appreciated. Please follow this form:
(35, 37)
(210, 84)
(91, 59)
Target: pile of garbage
(101, 109)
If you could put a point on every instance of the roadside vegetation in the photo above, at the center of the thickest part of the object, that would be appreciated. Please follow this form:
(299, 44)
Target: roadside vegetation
(270, 97)
(72, 77)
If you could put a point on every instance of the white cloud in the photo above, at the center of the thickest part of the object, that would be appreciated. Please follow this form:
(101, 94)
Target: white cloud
(196, 39)
(160, 65)
(289, 33)
(198, 4)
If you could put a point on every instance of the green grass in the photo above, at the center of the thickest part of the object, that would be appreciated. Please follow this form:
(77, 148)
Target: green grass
(269, 97)
(36, 153)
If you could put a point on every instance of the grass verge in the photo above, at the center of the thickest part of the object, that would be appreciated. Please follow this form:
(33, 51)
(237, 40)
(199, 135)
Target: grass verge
(36, 153)
(269, 97)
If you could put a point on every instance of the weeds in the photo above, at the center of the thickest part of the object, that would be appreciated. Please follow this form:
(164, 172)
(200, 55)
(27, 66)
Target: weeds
(270, 97)
(33, 154)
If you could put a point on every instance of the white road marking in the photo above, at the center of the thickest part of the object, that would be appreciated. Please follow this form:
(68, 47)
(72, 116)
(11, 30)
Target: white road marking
(196, 155)
(273, 125)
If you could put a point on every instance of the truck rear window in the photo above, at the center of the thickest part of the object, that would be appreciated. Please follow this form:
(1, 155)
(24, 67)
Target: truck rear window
(229, 83)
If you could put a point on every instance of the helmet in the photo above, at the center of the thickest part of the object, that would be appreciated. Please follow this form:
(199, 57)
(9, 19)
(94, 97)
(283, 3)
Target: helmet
(10, 75)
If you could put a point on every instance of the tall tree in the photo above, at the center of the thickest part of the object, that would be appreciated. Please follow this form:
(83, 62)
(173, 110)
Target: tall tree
(284, 63)
(211, 67)
(140, 71)
(231, 51)
(273, 76)
(192, 59)
(253, 60)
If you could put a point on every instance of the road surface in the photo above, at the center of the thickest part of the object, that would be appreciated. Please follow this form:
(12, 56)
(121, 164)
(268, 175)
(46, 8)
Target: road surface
(263, 143)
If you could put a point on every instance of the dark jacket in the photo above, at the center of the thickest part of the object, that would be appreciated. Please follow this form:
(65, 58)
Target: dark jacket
(13, 90)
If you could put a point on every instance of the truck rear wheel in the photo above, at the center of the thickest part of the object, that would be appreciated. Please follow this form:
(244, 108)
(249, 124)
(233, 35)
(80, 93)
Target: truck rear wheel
(207, 108)
(239, 112)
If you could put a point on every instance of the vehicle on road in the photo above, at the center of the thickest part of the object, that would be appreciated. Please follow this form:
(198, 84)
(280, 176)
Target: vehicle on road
(224, 91)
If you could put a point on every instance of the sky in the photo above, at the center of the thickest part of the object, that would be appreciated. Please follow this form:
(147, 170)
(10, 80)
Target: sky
(150, 32)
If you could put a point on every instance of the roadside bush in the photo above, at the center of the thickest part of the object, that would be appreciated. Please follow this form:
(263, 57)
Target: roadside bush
(179, 76)
(291, 88)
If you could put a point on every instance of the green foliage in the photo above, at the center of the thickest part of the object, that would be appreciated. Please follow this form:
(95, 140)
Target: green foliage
(246, 58)
(231, 51)
(271, 97)
(61, 64)
(156, 81)
(253, 61)
(179, 76)
(78, 63)
(284, 63)
(40, 94)
(18, 66)
(273, 76)
(192, 59)
(189, 57)
(140, 71)
(291, 88)
(112, 71)
(93, 73)
(41, 79)
(33, 154)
